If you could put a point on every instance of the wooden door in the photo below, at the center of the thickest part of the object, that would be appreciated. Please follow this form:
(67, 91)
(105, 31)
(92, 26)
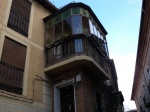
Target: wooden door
(67, 99)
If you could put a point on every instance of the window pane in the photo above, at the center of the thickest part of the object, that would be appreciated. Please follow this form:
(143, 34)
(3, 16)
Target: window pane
(67, 26)
(91, 27)
(58, 52)
(101, 36)
(49, 36)
(105, 48)
(58, 31)
(95, 31)
(78, 45)
(85, 23)
(76, 24)
(98, 33)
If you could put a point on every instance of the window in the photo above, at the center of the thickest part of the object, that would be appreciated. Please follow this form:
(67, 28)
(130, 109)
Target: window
(85, 23)
(98, 33)
(67, 27)
(49, 35)
(58, 31)
(148, 86)
(147, 75)
(148, 72)
(95, 31)
(78, 45)
(19, 16)
(76, 24)
(105, 48)
(91, 27)
(58, 51)
(12, 66)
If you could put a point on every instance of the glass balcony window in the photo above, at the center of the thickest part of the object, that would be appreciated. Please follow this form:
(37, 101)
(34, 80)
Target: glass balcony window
(67, 28)
(58, 31)
(85, 23)
(91, 27)
(72, 25)
(95, 31)
(76, 24)
(78, 45)
(49, 35)
(98, 33)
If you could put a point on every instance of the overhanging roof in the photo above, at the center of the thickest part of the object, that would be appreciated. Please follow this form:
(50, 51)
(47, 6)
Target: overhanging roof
(48, 5)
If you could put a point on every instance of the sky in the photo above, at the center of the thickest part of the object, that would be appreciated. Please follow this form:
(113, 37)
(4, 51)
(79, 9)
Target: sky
(121, 19)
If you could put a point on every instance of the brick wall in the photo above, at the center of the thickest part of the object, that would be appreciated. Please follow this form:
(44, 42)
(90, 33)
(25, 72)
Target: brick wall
(84, 90)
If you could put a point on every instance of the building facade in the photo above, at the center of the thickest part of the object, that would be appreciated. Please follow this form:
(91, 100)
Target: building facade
(55, 60)
(141, 83)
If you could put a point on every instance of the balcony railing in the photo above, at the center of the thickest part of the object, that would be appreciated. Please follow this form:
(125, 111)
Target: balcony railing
(18, 23)
(11, 78)
(73, 46)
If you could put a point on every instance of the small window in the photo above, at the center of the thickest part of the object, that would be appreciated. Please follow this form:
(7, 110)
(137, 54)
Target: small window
(98, 33)
(49, 36)
(95, 31)
(58, 31)
(148, 72)
(91, 27)
(58, 51)
(76, 24)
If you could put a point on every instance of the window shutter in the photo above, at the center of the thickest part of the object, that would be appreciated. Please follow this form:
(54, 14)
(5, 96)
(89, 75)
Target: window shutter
(19, 16)
(22, 7)
(14, 53)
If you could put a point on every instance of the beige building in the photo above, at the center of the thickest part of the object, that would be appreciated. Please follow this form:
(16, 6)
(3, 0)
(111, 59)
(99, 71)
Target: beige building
(23, 86)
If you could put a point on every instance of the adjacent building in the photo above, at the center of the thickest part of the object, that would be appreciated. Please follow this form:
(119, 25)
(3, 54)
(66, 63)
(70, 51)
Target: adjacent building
(141, 84)
(55, 60)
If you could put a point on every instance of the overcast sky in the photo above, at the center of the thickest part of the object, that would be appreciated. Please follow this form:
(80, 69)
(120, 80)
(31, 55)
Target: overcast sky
(121, 19)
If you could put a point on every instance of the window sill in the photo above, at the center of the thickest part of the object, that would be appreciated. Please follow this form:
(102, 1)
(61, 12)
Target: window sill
(15, 96)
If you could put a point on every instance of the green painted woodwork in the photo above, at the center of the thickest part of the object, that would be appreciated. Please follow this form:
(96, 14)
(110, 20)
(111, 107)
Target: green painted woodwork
(84, 12)
(66, 13)
(76, 10)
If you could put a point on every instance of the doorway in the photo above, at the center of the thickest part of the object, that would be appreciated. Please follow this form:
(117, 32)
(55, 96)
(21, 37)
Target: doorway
(67, 99)
(64, 97)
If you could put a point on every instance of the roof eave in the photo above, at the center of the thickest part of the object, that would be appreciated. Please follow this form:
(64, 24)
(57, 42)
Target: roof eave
(47, 5)
(77, 5)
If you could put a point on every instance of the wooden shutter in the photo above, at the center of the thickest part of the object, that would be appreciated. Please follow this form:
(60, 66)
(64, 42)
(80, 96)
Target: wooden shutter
(14, 53)
(22, 7)
(19, 16)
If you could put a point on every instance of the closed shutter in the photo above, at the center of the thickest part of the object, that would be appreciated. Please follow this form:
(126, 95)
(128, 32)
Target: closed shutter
(14, 53)
(22, 7)
(19, 16)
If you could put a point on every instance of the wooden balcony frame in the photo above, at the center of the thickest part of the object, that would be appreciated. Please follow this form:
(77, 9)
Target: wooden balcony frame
(90, 49)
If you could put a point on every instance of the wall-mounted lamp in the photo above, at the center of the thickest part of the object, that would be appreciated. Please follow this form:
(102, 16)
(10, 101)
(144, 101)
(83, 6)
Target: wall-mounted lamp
(78, 78)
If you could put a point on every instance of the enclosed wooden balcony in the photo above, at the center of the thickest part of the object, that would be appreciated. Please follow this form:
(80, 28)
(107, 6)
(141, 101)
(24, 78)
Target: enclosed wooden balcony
(79, 50)
(75, 37)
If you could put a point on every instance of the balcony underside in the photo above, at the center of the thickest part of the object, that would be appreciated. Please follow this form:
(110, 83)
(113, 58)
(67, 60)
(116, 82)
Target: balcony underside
(78, 60)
